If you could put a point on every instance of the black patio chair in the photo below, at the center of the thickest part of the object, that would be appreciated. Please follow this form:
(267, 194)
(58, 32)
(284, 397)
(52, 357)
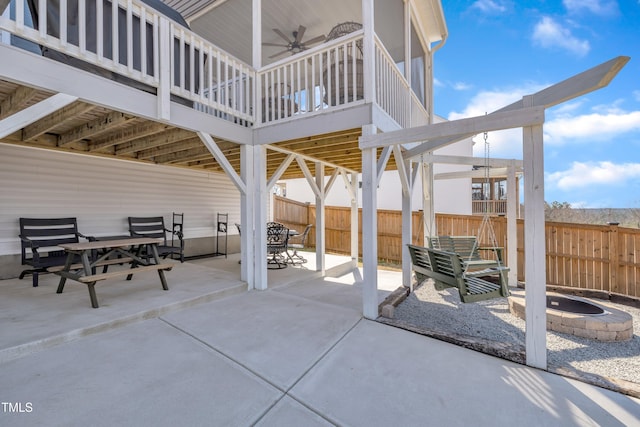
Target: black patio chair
(39, 239)
(239, 228)
(298, 242)
(154, 227)
(177, 235)
(277, 239)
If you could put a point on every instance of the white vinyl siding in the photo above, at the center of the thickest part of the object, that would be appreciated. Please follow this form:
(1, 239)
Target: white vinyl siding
(103, 192)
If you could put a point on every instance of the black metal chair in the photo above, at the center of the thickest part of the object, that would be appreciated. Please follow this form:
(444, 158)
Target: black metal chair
(239, 228)
(154, 227)
(177, 236)
(298, 242)
(277, 239)
(40, 237)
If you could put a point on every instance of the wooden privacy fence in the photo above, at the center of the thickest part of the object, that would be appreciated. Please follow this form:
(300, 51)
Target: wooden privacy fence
(599, 257)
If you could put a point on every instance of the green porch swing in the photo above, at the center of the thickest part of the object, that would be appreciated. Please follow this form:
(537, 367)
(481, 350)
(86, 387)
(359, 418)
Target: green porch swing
(455, 261)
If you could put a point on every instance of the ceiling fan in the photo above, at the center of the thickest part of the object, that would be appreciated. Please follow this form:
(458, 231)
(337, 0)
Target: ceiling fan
(297, 44)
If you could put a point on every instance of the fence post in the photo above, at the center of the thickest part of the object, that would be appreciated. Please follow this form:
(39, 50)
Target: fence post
(614, 259)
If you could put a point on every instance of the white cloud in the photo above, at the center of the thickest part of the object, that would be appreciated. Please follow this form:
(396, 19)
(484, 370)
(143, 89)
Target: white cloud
(487, 101)
(636, 93)
(563, 125)
(489, 6)
(502, 144)
(550, 34)
(588, 128)
(583, 175)
(567, 108)
(462, 86)
(597, 7)
(438, 83)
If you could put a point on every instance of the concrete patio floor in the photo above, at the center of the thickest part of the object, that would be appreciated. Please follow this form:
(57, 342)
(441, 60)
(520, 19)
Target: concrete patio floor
(207, 352)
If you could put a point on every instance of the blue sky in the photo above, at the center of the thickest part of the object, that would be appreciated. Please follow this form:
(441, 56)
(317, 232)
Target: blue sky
(500, 50)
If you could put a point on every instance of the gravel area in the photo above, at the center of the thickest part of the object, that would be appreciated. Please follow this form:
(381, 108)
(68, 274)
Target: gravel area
(443, 313)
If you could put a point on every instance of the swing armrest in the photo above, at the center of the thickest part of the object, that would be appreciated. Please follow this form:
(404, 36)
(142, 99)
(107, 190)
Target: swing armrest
(497, 249)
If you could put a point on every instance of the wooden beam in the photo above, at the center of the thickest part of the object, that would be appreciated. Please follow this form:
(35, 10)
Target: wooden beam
(203, 156)
(307, 174)
(471, 161)
(382, 161)
(588, 81)
(95, 127)
(331, 181)
(45, 140)
(279, 171)
(230, 150)
(403, 173)
(311, 158)
(182, 156)
(33, 113)
(54, 119)
(222, 160)
(170, 148)
(456, 128)
(16, 101)
(155, 140)
(353, 195)
(477, 173)
(126, 135)
(323, 141)
(580, 84)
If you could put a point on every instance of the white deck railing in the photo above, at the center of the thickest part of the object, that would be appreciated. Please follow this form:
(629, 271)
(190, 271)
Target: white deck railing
(489, 206)
(113, 39)
(393, 93)
(325, 77)
(135, 42)
(91, 40)
(216, 81)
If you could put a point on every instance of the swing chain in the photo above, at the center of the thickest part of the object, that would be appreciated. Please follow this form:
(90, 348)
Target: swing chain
(487, 181)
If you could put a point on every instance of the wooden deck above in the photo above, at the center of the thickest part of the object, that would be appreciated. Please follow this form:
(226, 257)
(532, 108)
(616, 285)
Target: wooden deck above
(92, 130)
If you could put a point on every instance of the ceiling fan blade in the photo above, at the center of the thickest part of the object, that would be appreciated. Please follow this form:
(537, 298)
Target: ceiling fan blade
(279, 53)
(300, 34)
(275, 44)
(281, 34)
(315, 40)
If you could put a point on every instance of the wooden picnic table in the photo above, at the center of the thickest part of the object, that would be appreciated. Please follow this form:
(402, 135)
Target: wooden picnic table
(140, 252)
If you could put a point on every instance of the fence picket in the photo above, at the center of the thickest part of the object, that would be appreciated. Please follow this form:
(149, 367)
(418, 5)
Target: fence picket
(600, 257)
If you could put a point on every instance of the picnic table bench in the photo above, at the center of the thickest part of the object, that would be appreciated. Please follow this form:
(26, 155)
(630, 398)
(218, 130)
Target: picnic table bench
(446, 269)
(128, 250)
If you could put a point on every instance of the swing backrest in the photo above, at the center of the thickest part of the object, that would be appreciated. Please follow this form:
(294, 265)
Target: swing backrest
(465, 246)
(446, 270)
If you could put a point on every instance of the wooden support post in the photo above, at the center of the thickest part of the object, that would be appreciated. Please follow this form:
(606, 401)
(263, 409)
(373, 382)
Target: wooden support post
(534, 231)
(614, 259)
(354, 219)
(247, 214)
(369, 230)
(429, 223)
(512, 225)
(260, 217)
(407, 230)
(320, 224)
